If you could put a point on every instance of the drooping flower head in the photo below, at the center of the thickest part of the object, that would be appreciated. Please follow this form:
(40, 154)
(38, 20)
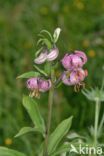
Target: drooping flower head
(75, 60)
(75, 77)
(37, 85)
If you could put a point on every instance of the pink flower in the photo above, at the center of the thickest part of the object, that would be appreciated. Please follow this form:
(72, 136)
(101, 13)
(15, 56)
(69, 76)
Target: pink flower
(32, 83)
(44, 85)
(41, 58)
(72, 61)
(37, 85)
(74, 77)
(45, 56)
(53, 54)
(82, 55)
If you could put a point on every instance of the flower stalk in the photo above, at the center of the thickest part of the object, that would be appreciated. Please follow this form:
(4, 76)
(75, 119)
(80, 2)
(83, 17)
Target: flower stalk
(97, 111)
(50, 104)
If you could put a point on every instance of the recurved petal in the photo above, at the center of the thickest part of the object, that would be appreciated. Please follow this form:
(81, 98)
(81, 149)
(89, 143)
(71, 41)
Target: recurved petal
(66, 79)
(53, 54)
(45, 85)
(32, 83)
(41, 58)
(82, 55)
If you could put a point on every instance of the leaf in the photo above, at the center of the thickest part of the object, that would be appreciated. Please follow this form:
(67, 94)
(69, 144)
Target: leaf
(8, 152)
(34, 113)
(74, 135)
(48, 33)
(47, 68)
(39, 41)
(40, 70)
(61, 130)
(47, 43)
(41, 149)
(25, 130)
(38, 51)
(68, 147)
(100, 129)
(62, 149)
(56, 34)
(29, 74)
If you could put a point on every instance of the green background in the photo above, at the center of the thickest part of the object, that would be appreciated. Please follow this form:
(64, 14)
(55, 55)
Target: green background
(82, 24)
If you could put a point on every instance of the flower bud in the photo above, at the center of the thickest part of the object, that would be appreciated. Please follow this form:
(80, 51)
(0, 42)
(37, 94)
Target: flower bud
(41, 58)
(53, 54)
(32, 83)
(44, 85)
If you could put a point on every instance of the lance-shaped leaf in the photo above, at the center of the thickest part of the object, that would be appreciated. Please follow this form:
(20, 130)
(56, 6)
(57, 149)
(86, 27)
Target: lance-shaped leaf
(25, 130)
(8, 152)
(58, 134)
(40, 71)
(48, 33)
(34, 113)
(62, 149)
(56, 34)
(29, 75)
(38, 51)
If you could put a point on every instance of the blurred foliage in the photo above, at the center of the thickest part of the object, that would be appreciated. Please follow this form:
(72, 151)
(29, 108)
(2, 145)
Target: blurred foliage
(82, 23)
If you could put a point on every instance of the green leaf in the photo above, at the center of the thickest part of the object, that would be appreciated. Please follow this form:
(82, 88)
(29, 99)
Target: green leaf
(47, 68)
(34, 113)
(62, 149)
(47, 43)
(8, 152)
(40, 41)
(40, 71)
(29, 74)
(48, 33)
(56, 34)
(59, 133)
(100, 129)
(38, 51)
(74, 135)
(25, 130)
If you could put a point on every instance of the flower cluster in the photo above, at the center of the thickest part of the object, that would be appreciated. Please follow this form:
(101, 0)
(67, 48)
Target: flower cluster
(37, 84)
(74, 74)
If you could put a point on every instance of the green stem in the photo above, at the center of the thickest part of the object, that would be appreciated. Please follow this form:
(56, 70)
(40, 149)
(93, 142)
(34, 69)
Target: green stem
(50, 104)
(97, 111)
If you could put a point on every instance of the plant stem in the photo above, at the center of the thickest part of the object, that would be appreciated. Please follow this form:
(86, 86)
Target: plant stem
(97, 111)
(50, 104)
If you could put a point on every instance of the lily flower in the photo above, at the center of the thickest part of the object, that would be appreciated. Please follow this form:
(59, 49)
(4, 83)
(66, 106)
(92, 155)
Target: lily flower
(75, 60)
(75, 77)
(37, 85)
(44, 85)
